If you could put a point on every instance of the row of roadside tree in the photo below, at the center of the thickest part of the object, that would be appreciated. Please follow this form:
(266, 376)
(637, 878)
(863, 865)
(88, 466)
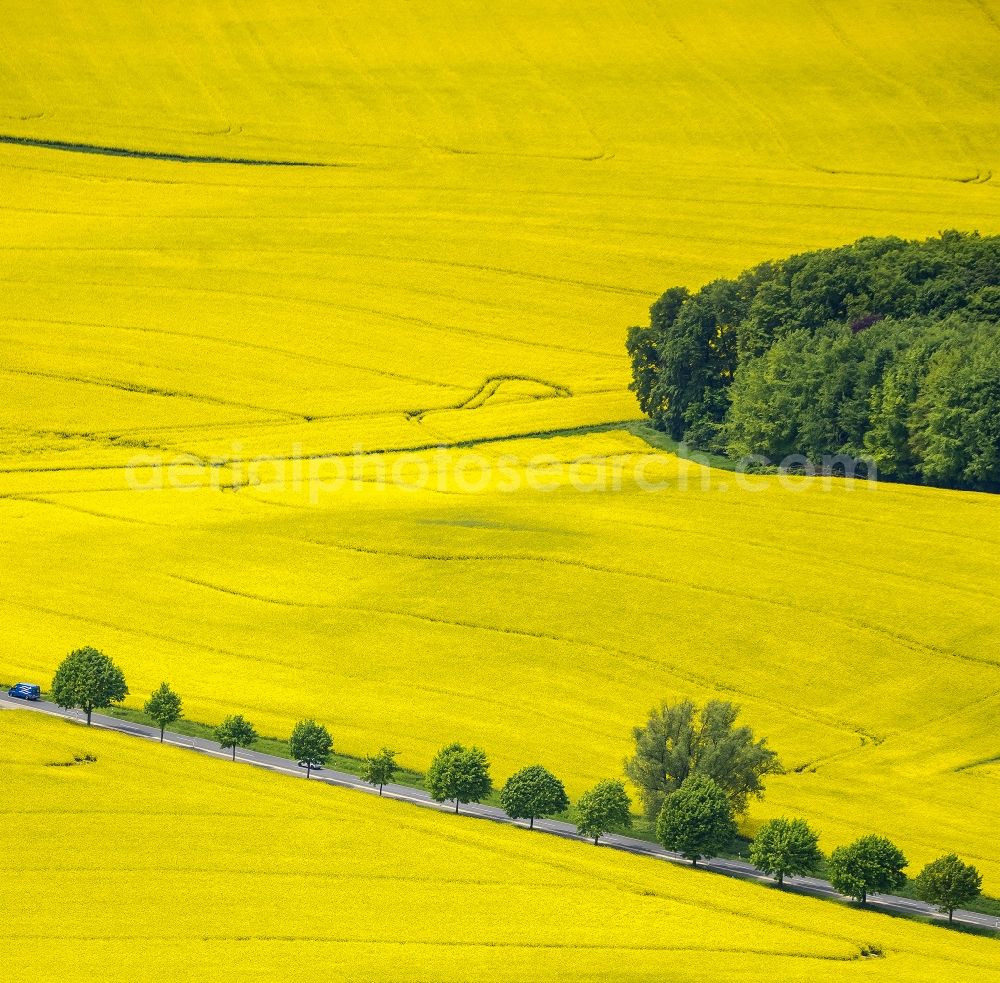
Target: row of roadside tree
(695, 771)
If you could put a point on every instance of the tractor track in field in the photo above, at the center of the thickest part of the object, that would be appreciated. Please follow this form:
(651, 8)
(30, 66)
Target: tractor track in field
(172, 157)
(693, 679)
(855, 624)
(375, 452)
(141, 389)
(810, 557)
(185, 641)
(490, 387)
(42, 500)
(377, 312)
(288, 353)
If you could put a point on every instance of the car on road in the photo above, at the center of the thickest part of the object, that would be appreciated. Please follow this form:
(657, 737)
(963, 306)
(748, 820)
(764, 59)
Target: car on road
(25, 691)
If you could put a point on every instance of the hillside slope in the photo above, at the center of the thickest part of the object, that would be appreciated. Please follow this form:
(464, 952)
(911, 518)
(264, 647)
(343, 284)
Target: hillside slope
(512, 188)
(247, 873)
(855, 625)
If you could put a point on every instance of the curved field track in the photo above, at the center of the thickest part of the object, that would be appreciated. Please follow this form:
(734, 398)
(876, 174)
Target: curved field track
(174, 158)
(209, 372)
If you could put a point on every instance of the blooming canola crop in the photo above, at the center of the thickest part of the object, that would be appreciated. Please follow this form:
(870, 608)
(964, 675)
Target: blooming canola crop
(224, 383)
(151, 860)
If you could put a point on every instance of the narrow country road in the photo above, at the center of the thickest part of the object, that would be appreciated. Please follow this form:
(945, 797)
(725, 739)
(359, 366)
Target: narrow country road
(732, 868)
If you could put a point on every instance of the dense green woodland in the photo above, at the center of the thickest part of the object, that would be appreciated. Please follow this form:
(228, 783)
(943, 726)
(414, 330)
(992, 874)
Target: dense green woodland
(884, 350)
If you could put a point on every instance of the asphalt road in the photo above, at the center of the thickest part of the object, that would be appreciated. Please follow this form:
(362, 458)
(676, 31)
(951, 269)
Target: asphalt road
(732, 868)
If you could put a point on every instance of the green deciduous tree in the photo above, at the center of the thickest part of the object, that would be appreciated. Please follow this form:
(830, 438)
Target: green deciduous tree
(380, 769)
(678, 741)
(88, 679)
(697, 820)
(533, 792)
(956, 415)
(234, 732)
(311, 745)
(871, 865)
(786, 846)
(164, 706)
(459, 773)
(948, 883)
(882, 350)
(603, 809)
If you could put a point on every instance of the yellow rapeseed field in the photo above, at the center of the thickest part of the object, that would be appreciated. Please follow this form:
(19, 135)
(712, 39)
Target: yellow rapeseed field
(856, 626)
(153, 863)
(500, 191)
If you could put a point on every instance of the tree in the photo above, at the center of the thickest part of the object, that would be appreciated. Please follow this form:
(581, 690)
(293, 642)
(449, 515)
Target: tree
(164, 706)
(948, 883)
(604, 808)
(235, 732)
(956, 430)
(88, 679)
(533, 792)
(459, 773)
(697, 819)
(381, 769)
(871, 865)
(678, 741)
(786, 846)
(814, 355)
(310, 744)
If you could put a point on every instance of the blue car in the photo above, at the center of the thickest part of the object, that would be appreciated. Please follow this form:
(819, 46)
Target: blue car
(26, 691)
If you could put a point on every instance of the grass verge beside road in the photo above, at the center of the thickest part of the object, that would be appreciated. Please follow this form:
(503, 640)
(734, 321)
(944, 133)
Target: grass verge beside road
(641, 828)
(268, 745)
